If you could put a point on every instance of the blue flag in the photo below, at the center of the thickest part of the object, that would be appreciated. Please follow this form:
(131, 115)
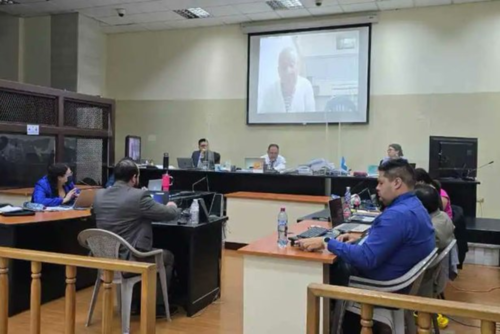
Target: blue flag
(343, 165)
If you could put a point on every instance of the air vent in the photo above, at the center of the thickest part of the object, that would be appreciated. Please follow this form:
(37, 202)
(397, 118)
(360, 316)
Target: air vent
(193, 13)
(284, 4)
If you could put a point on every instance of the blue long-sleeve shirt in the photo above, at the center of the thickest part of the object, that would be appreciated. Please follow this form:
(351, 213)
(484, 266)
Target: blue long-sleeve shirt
(398, 239)
(42, 193)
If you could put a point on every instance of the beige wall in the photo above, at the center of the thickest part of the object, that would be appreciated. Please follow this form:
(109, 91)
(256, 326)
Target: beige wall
(435, 71)
(36, 55)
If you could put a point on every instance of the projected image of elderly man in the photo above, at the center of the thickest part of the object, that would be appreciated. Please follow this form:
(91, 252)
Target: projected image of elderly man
(291, 92)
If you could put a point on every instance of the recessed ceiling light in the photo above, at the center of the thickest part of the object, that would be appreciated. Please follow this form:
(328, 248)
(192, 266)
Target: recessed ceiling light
(8, 2)
(193, 13)
(284, 4)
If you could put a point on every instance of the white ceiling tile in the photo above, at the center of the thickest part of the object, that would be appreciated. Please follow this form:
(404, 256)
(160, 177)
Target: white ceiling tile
(467, 1)
(158, 16)
(181, 24)
(350, 2)
(18, 10)
(328, 10)
(151, 6)
(235, 19)
(116, 20)
(293, 13)
(156, 26)
(222, 11)
(425, 3)
(312, 3)
(360, 7)
(251, 8)
(395, 4)
(123, 28)
(263, 16)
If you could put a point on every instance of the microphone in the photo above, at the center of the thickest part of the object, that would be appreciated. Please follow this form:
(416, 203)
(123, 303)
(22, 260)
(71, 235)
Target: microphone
(199, 181)
(476, 169)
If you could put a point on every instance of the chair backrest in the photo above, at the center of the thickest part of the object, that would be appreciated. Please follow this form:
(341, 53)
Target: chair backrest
(399, 283)
(103, 243)
(443, 255)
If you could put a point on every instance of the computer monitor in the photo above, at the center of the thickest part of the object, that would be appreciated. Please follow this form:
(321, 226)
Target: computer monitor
(452, 157)
(133, 148)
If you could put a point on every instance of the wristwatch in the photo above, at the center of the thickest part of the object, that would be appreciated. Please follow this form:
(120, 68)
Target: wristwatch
(325, 242)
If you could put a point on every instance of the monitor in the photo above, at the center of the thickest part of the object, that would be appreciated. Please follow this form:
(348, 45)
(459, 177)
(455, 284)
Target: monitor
(452, 157)
(133, 148)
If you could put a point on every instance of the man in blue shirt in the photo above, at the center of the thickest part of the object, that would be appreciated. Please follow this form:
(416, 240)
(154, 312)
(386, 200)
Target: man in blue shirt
(398, 239)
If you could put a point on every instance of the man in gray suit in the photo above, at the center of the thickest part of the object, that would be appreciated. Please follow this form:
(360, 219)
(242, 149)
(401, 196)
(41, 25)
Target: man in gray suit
(128, 211)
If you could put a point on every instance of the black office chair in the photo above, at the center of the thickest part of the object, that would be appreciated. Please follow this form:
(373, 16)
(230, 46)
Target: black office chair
(460, 233)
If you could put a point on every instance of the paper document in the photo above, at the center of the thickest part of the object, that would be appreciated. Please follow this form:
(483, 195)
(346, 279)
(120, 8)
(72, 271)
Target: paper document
(58, 208)
(10, 208)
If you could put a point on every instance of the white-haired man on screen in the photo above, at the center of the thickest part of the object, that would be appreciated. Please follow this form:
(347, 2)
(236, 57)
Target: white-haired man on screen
(291, 93)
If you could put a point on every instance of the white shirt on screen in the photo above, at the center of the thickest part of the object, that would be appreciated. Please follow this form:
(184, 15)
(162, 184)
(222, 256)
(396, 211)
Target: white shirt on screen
(302, 100)
(279, 164)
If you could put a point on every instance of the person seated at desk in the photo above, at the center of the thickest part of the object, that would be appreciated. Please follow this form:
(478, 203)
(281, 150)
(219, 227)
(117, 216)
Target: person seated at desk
(56, 188)
(274, 159)
(129, 212)
(443, 226)
(204, 154)
(394, 151)
(400, 237)
(111, 180)
(424, 178)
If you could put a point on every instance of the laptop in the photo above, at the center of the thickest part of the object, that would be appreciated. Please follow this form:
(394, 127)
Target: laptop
(154, 185)
(251, 162)
(185, 163)
(85, 200)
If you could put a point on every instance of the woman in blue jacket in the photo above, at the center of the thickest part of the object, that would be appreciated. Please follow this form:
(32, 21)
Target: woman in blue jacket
(55, 188)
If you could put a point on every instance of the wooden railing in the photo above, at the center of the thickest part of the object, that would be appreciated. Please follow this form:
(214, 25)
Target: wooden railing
(146, 270)
(488, 315)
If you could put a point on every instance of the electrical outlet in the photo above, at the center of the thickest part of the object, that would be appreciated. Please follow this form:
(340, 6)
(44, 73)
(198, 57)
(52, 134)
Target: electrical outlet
(480, 200)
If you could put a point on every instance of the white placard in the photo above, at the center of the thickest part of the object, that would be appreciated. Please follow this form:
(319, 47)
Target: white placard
(33, 129)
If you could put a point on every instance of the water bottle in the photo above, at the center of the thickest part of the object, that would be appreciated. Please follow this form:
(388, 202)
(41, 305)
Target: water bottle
(194, 211)
(347, 203)
(282, 228)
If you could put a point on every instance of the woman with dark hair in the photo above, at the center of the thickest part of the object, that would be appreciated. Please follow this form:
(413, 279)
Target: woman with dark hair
(55, 188)
(394, 151)
(423, 177)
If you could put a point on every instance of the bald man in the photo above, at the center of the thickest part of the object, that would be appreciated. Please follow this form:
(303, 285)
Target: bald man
(291, 93)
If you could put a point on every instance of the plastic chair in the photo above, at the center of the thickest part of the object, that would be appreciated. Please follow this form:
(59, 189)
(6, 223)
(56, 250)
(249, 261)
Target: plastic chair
(394, 318)
(106, 244)
(436, 277)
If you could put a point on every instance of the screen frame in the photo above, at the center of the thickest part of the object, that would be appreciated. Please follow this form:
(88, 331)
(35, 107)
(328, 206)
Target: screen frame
(127, 141)
(270, 33)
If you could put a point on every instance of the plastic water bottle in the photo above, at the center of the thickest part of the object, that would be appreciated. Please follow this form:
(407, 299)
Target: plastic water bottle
(282, 228)
(347, 203)
(194, 211)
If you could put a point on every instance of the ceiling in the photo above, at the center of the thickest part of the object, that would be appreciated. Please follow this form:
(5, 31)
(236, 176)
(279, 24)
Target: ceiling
(145, 15)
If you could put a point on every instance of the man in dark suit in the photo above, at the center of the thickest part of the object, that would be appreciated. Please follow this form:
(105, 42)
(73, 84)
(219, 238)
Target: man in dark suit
(204, 154)
(128, 211)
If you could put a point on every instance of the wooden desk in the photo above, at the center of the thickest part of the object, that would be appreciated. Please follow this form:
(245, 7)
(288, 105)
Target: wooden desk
(45, 231)
(253, 216)
(18, 196)
(42, 217)
(275, 283)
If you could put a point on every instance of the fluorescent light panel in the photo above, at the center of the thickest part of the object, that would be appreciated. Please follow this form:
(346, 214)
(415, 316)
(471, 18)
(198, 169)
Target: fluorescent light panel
(284, 4)
(193, 13)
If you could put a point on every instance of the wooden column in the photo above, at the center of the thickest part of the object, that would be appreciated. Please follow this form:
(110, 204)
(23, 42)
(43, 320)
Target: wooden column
(107, 306)
(488, 327)
(366, 319)
(36, 297)
(313, 313)
(4, 295)
(424, 323)
(148, 301)
(70, 301)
